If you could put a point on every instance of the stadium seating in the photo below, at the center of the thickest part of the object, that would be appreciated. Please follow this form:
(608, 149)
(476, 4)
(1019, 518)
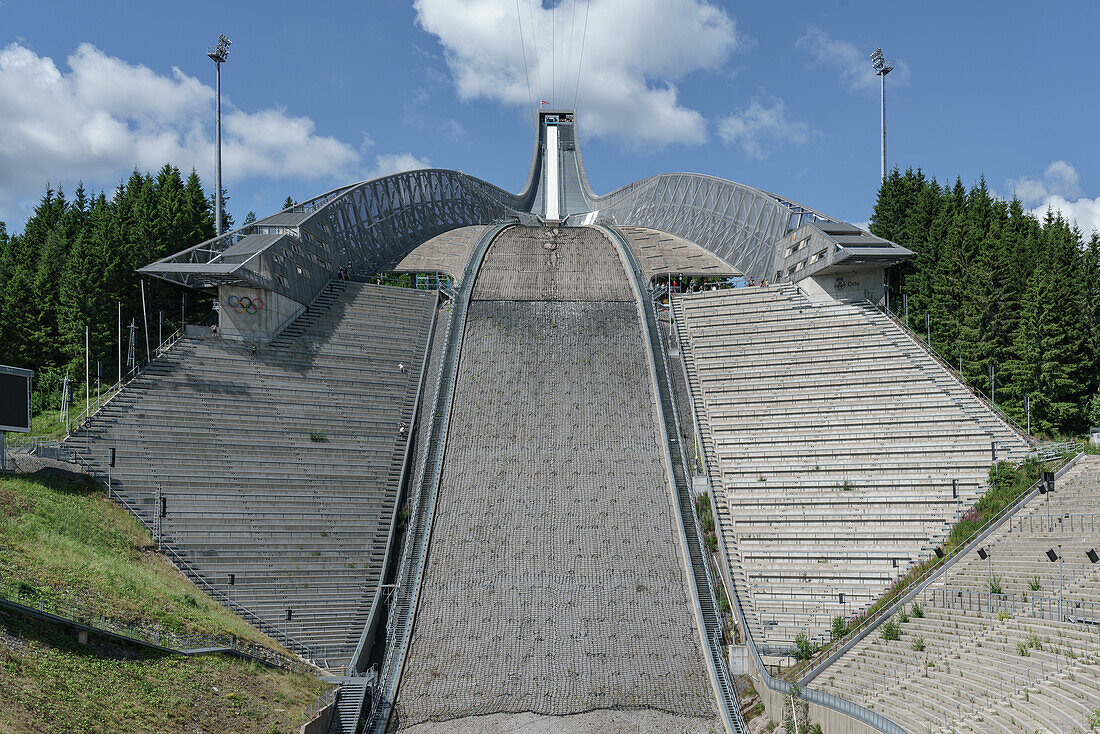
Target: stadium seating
(840, 452)
(281, 468)
(1006, 663)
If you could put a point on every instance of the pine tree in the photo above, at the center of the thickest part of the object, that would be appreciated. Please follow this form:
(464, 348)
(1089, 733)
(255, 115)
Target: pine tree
(249, 218)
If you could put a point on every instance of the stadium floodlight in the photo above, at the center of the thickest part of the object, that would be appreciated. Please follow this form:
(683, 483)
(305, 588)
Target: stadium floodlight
(1053, 556)
(939, 552)
(219, 55)
(882, 67)
(1092, 555)
(987, 555)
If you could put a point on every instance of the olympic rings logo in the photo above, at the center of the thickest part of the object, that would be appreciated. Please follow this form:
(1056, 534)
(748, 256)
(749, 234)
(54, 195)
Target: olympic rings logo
(244, 304)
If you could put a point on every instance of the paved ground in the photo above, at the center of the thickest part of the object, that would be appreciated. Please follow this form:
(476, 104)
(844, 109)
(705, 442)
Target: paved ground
(590, 722)
(555, 582)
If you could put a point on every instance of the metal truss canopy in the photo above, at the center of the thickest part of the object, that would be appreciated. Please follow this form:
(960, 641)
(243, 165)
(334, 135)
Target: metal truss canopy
(296, 251)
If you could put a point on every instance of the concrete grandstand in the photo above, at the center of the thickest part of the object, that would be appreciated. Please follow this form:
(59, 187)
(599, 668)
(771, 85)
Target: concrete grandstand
(476, 503)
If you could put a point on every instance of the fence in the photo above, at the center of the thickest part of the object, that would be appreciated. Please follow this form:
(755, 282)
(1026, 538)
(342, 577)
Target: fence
(1048, 607)
(946, 364)
(30, 598)
(105, 395)
(911, 590)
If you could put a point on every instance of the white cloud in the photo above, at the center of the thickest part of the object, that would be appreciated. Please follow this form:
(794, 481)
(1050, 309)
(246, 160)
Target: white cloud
(853, 66)
(104, 116)
(1060, 179)
(389, 163)
(762, 128)
(1059, 189)
(634, 53)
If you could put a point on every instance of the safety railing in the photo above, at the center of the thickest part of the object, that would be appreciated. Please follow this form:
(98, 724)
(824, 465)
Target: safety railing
(1074, 522)
(1052, 451)
(324, 699)
(938, 565)
(946, 364)
(17, 443)
(105, 395)
(1048, 607)
(28, 597)
(422, 505)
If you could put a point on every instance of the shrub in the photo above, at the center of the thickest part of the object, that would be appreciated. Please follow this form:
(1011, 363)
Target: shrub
(712, 542)
(706, 512)
(995, 584)
(803, 648)
(839, 628)
(903, 616)
(917, 611)
(1093, 715)
(1021, 650)
(891, 630)
(1034, 584)
(918, 644)
(317, 437)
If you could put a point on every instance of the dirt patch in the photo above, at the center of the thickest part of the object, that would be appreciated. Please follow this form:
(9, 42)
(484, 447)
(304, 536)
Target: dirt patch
(13, 503)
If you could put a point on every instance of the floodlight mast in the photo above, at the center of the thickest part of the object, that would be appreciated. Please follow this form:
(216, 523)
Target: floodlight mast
(219, 55)
(882, 67)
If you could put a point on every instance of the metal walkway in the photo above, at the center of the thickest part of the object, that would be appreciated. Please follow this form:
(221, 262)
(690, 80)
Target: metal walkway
(701, 585)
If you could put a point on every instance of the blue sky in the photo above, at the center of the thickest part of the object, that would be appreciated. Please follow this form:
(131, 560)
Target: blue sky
(773, 95)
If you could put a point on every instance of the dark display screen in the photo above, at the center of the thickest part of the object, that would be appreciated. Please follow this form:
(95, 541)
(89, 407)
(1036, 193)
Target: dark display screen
(14, 402)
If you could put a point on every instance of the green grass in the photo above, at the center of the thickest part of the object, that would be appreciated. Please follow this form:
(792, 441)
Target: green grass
(60, 535)
(48, 682)
(47, 423)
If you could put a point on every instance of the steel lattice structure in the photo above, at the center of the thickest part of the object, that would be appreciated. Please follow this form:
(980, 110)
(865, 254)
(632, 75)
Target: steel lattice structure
(297, 251)
(736, 223)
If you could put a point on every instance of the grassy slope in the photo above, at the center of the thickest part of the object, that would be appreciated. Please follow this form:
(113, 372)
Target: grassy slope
(61, 535)
(48, 682)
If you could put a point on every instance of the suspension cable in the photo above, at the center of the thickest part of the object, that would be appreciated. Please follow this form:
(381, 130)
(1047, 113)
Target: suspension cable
(580, 58)
(526, 73)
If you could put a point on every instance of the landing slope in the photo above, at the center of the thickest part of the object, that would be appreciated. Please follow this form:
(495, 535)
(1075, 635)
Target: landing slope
(555, 582)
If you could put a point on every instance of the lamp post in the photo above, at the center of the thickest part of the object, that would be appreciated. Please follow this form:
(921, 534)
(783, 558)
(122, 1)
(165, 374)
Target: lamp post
(219, 55)
(882, 67)
(1053, 556)
(986, 555)
(1046, 487)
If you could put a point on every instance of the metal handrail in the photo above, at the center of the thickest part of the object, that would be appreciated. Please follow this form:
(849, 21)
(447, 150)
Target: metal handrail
(410, 570)
(911, 590)
(406, 461)
(820, 698)
(78, 422)
(26, 596)
(934, 353)
(324, 699)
